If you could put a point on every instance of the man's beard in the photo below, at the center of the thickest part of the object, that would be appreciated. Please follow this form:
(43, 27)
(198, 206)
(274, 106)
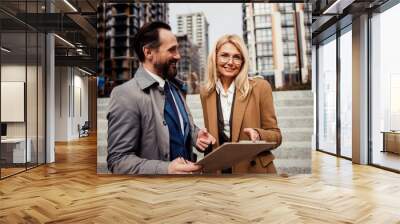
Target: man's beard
(167, 70)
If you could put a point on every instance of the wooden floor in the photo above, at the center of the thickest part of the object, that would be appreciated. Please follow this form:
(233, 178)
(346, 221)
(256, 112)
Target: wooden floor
(70, 191)
(10, 171)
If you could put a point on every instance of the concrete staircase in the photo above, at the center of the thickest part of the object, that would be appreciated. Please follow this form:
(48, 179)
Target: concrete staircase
(295, 113)
(194, 104)
(102, 127)
(295, 119)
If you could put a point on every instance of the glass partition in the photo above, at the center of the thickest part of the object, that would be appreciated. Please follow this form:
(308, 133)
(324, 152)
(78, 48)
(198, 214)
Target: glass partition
(346, 93)
(22, 87)
(327, 96)
(385, 89)
(14, 145)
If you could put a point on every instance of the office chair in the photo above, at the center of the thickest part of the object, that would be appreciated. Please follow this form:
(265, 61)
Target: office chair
(84, 130)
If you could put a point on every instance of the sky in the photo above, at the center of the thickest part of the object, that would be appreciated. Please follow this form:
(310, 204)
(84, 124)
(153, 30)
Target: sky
(224, 18)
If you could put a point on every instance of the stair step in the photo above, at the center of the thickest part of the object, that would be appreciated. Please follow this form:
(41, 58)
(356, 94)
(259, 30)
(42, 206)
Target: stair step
(285, 111)
(294, 170)
(300, 94)
(101, 114)
(295, 130)
(295, 144)
(103, 101)
(295, 122)
(292, 153)
(296, 136)
(293, 102)
(287, 163)
(102, 124)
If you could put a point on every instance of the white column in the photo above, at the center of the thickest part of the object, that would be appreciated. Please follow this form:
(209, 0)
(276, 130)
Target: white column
(314, 91)
(50, 92)
(278, 49)
(360, 90)
(50, 99)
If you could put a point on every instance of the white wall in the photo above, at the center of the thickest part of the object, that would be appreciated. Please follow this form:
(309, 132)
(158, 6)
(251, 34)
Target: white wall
(61, 103)
(71, 87)
(79, 117)
(17, 73)
(33, 126)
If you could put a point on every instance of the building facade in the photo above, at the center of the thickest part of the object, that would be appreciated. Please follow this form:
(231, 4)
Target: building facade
(117, 25)
(278, 37)
(188, 66)
(195, 25)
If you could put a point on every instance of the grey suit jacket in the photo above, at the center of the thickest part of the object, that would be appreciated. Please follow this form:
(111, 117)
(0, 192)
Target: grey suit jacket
(138, 136)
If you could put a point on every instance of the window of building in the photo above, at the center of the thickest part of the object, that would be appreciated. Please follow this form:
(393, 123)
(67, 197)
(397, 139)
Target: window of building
(264, 49)
(288, 33)
(286, 7)
(262, 8)
(263, 21)
(263, 35)
(264, 64)
(289, 48)
(290, 63)
(287, 19)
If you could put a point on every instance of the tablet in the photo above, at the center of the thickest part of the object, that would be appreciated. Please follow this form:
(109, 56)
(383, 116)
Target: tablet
(229, 154)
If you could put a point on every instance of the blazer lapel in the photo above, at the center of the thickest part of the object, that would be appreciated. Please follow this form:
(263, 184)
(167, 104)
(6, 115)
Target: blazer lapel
(211, 107)
(239, 108)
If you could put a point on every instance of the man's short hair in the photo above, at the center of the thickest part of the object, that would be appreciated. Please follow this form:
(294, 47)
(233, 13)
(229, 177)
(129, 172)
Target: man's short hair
(148, 35)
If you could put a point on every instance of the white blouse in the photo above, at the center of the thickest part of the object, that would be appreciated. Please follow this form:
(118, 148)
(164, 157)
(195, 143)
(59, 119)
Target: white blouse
(226, 99)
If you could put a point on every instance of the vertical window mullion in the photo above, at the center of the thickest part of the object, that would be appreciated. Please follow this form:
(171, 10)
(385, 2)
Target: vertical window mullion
(338, 73)
(26, 87)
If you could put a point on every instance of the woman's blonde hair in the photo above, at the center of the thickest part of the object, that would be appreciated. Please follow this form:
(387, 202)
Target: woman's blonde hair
(241, 80)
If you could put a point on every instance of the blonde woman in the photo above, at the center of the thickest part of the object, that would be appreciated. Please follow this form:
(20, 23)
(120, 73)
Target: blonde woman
(236, 107)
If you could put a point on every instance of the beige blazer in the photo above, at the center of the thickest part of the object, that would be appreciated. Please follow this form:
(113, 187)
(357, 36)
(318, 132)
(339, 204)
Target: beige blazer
(255, 111)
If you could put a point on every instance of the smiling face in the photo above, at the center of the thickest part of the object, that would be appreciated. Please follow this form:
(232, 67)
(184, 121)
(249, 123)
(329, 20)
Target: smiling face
(167, 55)
(229, 61)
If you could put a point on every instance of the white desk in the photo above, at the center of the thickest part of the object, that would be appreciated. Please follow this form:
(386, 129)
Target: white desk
(17, 146)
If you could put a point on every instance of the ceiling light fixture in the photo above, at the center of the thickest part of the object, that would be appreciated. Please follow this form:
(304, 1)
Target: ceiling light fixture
(337, 7)
(5, 49)
(70, 5)
(65, 41)
(84, 71)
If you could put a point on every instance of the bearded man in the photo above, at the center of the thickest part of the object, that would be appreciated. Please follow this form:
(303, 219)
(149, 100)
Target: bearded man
(150, 128)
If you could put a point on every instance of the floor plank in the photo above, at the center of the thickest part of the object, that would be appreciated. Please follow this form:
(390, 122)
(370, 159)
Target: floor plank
(70, 191)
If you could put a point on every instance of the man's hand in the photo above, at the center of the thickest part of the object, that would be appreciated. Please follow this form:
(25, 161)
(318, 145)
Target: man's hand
(182, 166)
(204, 139)
(252, 133)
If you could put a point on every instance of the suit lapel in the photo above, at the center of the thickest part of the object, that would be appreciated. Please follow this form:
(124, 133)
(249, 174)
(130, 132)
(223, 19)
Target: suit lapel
(239, 108)
(173, 113)
(211, 107)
